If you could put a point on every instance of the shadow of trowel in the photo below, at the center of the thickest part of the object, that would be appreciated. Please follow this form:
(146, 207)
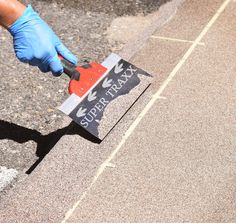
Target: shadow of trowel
(45, 143)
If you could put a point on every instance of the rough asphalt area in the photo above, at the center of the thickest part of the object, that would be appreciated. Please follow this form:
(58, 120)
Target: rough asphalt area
(29, 120)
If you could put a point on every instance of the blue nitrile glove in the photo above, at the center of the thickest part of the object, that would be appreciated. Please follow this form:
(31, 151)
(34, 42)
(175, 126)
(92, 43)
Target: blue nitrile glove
(35, 43)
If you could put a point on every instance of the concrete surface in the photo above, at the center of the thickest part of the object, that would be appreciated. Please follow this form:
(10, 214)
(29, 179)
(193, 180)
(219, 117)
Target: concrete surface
(176, 161)
(30, 124)
(179, 164)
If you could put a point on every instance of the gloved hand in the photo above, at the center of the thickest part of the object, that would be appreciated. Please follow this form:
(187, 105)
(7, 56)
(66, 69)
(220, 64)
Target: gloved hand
(35, 43)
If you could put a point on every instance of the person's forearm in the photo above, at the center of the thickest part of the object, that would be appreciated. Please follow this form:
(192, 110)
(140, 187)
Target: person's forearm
(10, 11)
(34, 41)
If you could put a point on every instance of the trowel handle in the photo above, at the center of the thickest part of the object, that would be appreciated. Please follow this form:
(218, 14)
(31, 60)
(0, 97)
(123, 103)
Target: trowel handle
(69, 69)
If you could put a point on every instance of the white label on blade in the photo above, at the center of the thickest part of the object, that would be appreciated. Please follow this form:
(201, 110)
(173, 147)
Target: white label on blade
(70, 104)
(111, 61)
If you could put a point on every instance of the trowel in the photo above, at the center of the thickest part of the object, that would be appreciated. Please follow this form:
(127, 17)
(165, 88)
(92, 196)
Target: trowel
(101, 94)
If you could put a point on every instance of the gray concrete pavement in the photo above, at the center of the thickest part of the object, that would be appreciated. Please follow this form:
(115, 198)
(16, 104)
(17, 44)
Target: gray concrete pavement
(128, 7)
(178, 163)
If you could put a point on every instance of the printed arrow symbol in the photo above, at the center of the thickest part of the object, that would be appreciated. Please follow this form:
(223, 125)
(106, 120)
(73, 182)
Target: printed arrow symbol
(118, 68)
(106, 83)
(92, 96)
(81, 112)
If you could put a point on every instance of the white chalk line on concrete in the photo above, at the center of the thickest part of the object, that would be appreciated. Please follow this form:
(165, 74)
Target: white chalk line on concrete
(155, 97)
(175, 40)
(111, 165)
(161, 97)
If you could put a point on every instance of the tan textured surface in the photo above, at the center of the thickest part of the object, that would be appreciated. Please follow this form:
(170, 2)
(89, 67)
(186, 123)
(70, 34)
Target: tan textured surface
(190, 19)
(179, 165)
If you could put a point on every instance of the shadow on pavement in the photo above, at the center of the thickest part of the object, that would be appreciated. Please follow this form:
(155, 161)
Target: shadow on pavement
(45, 143)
